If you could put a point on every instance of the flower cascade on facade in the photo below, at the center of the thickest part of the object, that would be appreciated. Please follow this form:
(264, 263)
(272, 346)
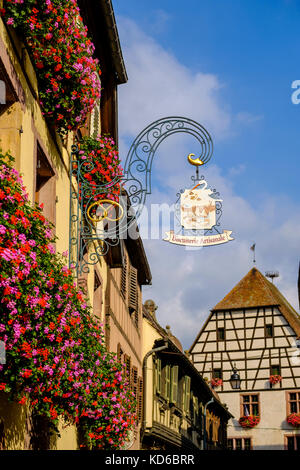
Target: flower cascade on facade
(55, 355)
(62, 53)
(100, 165)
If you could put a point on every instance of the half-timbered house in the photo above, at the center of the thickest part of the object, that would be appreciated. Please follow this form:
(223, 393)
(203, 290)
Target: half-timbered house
(251, 335)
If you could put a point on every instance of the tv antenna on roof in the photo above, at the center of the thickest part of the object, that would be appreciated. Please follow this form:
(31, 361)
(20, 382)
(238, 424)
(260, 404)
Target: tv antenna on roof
(272, 274)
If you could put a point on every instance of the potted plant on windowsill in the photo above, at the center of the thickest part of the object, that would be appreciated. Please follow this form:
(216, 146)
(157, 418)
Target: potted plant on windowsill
(274, 379)
(216, 383)
(249, 421)
(294, 419)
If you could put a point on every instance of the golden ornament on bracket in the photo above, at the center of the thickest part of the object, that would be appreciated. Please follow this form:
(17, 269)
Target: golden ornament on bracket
(105, 214)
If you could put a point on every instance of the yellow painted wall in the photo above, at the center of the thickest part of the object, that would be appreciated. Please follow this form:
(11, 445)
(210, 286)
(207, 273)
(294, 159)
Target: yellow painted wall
(150, 335)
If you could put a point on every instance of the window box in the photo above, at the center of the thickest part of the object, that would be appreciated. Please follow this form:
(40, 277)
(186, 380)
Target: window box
(249, 421)
(216, 382)
(294, 419)
(275, 379)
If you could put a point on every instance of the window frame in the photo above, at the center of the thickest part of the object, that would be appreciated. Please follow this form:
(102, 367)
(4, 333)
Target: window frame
(294, 436)
(223, 334)
(215, 376)
(242, 395)
(288, 401)
(277, 366)
(266, 330)
(44, 181)
(234, 438)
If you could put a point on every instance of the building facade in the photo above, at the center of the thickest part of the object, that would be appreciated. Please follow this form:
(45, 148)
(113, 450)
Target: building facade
(254, 331)
(112, 285)
(180, 410)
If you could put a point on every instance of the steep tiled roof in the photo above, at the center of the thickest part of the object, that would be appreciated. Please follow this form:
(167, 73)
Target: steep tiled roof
(254, 290)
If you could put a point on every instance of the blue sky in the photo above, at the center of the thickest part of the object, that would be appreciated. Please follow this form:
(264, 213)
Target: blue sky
(229, 64)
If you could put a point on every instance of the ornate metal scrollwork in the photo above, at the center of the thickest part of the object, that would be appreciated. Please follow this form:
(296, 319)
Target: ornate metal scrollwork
(137, 171)
(90, 219)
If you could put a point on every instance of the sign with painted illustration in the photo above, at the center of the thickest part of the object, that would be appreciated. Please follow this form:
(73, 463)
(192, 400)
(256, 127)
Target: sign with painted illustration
(198, 208)
(199, 211)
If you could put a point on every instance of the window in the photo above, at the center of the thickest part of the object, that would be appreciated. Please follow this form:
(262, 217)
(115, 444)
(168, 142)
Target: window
(230, 444)
(275, 370)
(250, 405)
(8, 91)
(292, 442)
(247, 444)
(269, 331)
(217, 374)
(45, 185)
(221, 334)
(293, 402)
(239, 443)
(97, 301)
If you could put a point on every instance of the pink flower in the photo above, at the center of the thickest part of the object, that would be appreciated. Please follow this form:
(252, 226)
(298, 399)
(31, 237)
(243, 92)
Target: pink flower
(10, 21)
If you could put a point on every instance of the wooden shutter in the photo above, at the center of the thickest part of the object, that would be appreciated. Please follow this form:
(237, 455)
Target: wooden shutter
(167, 381)
(187, 393)
(124, 278)
(136, 313)
(120, 353)
(195, 410)
(174, 385)
(134, 384)
(95, 118)
(132, 293)
(158, 376)
(127, 362)
(183, 394)
(140, 399)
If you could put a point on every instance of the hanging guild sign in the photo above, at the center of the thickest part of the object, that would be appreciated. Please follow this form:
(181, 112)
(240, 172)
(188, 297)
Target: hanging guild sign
(198, 210)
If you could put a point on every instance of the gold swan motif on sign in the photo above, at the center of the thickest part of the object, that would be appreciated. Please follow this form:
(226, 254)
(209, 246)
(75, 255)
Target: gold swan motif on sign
(196, 161)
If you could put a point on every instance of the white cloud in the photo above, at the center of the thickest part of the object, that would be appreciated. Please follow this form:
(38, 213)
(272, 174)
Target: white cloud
(159, 86)
(187, 284)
